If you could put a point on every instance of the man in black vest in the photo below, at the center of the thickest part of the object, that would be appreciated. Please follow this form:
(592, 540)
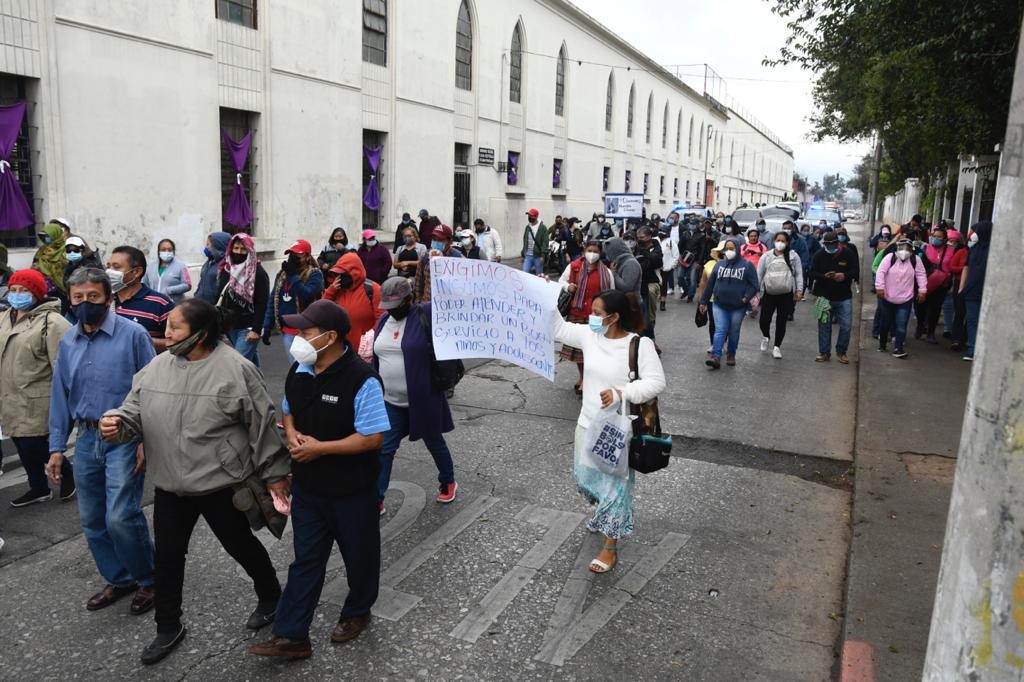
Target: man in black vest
(335, 422)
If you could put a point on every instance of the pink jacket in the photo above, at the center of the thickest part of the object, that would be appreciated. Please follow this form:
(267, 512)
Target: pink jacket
(896, 279)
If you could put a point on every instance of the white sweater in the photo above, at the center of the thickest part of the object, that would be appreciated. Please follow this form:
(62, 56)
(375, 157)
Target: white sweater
(606, 365)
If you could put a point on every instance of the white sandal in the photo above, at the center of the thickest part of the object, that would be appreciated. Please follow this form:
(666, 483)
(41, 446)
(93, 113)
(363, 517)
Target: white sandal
(598, 566)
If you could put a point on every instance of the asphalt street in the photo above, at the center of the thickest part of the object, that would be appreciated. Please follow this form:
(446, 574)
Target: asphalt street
(737, 569)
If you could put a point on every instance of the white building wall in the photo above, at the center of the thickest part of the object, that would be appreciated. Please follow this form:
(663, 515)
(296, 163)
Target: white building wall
(126, 108)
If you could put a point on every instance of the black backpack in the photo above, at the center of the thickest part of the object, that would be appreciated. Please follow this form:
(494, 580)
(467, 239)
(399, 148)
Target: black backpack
(445, 375)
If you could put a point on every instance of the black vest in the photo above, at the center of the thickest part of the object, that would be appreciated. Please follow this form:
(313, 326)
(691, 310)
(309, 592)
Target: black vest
(323, 407)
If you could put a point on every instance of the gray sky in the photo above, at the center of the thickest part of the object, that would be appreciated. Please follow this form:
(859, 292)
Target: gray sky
(732, 37)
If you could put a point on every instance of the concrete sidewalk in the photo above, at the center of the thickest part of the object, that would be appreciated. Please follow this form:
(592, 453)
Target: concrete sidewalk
(909, 414)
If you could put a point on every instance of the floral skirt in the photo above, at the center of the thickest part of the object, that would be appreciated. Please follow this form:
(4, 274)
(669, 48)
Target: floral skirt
(612, 495)
(571, 353)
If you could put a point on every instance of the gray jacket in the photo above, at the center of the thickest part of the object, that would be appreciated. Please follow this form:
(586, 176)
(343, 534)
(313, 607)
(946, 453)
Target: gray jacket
(627, 273)
(207, 424)
(174, 282)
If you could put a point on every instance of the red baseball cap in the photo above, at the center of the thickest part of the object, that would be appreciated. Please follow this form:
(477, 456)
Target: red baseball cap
(533, 213)
(442, 232)
(300, 246)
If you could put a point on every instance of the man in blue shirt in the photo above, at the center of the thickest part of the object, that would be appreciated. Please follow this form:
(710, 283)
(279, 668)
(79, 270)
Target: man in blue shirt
(335, 421)
(135, 301)
(96, 361)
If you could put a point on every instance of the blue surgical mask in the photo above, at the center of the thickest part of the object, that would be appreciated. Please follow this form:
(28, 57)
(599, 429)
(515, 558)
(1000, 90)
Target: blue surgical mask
(596, 323)
(761, 227)
(437, 246)
(20, 300)
(166, 256)
(74, 256)
(843, 238)
(208, 253)
(935, 241)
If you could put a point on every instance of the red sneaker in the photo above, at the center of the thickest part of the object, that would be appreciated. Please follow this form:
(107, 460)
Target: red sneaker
(381, 509)
(446, 492)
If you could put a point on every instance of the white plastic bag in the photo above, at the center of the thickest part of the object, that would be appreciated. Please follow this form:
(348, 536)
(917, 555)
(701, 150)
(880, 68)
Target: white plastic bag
(606, 445)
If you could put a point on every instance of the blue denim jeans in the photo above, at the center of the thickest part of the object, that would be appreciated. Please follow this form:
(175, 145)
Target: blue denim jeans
(110, 507)
(842, 311)
(247, 349)
(533, 264)
(399, 418)
(949, 310)
(728, 322)
(895, 318)
(973, 312)
(683, 281)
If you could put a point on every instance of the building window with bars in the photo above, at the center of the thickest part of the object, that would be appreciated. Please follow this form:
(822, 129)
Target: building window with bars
(464, 48)
(560, 69)
(629, 175)
(241, 12)
(604, 178)
(675, 188)
(12, 91)
(236, 124)
(375, 32)
(647, 179)
(515, 81)
(556, 174)
(661, 186)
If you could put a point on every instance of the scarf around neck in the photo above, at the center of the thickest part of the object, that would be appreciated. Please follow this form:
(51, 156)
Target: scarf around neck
(605, 276)
(241, 285)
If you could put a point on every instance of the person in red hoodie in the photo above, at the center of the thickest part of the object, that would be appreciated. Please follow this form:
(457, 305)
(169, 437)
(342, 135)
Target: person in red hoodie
(957, 329)
(359, 296)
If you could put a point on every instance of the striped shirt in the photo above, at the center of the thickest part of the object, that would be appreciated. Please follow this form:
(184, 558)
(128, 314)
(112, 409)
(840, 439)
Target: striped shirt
(147, 307)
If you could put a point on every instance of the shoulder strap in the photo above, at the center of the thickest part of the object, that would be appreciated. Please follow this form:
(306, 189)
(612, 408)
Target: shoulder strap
(368, 288)
(634, 351)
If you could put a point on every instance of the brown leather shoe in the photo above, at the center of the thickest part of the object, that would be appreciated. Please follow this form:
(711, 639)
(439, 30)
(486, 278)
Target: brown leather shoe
(107, 596)
(142, 601)
(282, 647)
(349, 628)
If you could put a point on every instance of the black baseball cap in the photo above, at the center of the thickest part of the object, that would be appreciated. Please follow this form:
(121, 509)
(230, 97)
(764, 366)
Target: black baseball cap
(830, 238)
(326, 315)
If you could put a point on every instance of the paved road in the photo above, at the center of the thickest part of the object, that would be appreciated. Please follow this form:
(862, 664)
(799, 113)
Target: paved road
(736, 570)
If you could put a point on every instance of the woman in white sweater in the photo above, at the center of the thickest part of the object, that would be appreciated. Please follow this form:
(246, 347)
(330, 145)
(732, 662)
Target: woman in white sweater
(605, 344)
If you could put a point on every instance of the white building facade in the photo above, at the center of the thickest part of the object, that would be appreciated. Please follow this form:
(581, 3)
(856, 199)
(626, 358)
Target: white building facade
(480, 108)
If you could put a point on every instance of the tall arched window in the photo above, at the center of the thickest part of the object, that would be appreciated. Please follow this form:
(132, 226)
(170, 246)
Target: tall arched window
(700, 143)
(650, 115)
(464, 48)
(515, 81)
(689, 146)
(679, 131)
(664, 127)
(609, 103)
(732, 155)
(629, 110)
(560, 69)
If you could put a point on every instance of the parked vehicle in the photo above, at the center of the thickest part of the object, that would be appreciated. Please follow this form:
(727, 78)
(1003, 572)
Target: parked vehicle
(775, 215)
(815, 214)
(746, 217)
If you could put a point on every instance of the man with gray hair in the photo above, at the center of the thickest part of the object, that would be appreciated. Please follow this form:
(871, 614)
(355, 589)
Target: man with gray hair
(96, 361)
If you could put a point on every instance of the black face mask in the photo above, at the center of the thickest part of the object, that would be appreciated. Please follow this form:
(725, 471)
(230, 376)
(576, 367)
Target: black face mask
(293, 259)
(402, 311)
(338, 242)
(344, 280)
(238, 258)
(90, 313)
(480, 229)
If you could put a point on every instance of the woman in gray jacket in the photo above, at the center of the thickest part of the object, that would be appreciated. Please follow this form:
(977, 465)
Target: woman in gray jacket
(168, 275)
(208, 424)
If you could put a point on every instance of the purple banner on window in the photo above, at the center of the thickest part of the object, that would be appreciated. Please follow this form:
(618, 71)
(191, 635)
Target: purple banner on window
(556, 173)
(237, 212)
(15, 213)
(513, 168)
(646, 180)
(371, 199)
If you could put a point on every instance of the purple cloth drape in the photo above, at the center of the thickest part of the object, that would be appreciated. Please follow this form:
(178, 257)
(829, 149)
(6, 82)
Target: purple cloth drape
(513, 168)
(647, 179)
(371, 199)
(238, 212)
(556, 173)
(15, 213)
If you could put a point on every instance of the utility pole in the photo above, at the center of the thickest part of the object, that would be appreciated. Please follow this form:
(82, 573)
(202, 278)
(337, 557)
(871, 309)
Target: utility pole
(876, 168)
(977, 628)
(707, 153)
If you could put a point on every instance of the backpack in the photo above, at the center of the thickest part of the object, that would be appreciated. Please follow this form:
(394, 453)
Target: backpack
(444, 374)
(779, 280)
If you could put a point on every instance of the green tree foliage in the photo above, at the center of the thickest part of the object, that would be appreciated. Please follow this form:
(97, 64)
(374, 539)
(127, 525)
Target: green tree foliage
(933, 78)
(888, 179)
(834, 187)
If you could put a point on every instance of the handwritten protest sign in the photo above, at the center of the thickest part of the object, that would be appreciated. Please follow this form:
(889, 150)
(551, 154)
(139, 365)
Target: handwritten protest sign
(488, 310)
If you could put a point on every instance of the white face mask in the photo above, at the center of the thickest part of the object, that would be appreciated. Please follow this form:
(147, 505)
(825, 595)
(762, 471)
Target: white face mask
(303, 350)
(116, 280)
(973, 240)
(728, 255)
(592, 257)
(903, 255)
(780, 246)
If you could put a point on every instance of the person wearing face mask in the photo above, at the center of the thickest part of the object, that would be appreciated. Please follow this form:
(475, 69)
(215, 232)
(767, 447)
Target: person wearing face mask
(244, 293)
(958, 332)
(781, 278)
(168, 276)
(693, 253)
(428, 223)
(216, 246)
(733, 283)
(358, 296)
(337, 244)
(96, 360)
(972, 282)
(126, 268)
(489, 241)
(298, 284)
(584, 278)
(939, 253)
(832, 275)
(763, 235)
(402, 354)
(187, 406)
(753, 249)
(626, 272)
(900, 279)
(600, 228)
(729, 226)
(335, 419)
(440, 245)
(802, 247)
(606, 341)
(849, 247)
(79, 255)
(30, 334)
(408, 257)
(376, 257)
(669, 263)
(535, 243)
(650, 257)
(468, 244)
(405, 223)
(50, 258)
(881, 240)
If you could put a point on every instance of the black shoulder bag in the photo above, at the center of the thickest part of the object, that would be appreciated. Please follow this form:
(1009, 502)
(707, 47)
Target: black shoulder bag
(444, 374)
(649, 449)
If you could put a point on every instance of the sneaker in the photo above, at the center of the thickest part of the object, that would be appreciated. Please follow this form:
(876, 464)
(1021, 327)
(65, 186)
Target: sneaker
(957, 346)
(446, 492)
(670, 292)
(764, 344)
(67, 487)
(843, 360)
(899, 354)
(380, 509)
(777, 353)
(822, 357)
(730, 360)
(931, 339)
(968, 358)
(31, 497)
(661, 307)
(713, 362)
(882, 349)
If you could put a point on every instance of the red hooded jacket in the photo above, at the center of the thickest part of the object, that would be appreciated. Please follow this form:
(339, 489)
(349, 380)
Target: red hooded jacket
(356, 299)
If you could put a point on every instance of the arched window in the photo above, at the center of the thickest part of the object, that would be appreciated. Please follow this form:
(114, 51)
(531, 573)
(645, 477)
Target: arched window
(560, 69)
(650, 115)
(629, 110)
(689, 146)
(732, 155)
(515, 81)
(664, 127)
(464, 48)
(679, 131)
(609, 102)
(375, 32)
(700, 143)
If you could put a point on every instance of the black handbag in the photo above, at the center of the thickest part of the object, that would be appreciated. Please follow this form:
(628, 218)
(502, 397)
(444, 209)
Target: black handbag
(564, 302)
(444, 374)
(649, 449)
(700, 318)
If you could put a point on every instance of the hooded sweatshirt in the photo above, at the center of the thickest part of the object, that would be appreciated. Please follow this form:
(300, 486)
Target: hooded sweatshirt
(732, 282)
(173, 282)
(627, 273)
(977, 261)
(356, 300)
(208, 290)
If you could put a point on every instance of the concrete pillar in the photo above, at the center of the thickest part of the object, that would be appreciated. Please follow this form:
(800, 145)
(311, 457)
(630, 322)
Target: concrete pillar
(977, 629)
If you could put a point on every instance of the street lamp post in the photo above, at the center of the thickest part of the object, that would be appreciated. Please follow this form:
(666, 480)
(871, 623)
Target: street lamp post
(706, 155)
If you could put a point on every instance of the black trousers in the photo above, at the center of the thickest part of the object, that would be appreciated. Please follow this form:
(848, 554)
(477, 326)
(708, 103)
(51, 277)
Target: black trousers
(933, 308)
(770, 304)
(959, 316)
(174, 518)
